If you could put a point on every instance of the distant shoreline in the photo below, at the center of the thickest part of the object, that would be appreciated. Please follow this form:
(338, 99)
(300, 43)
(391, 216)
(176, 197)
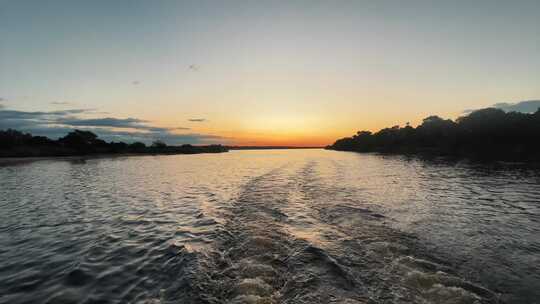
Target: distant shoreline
(485, 134)
(15, 144)
(269, 148)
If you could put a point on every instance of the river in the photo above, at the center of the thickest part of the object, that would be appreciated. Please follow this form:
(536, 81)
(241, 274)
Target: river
(271, 226)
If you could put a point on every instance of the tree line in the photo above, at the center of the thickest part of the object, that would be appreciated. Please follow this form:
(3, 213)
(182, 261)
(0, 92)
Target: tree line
(14, 143)
(490, 134)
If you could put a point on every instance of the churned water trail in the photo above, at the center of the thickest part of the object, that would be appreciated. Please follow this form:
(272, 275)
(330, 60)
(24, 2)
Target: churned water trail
(300, 226)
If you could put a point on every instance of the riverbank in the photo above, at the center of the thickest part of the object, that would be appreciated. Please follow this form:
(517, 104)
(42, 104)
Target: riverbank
(16, 144)
(8, 161)
(458, 156)
(488, 134)
(74, 158)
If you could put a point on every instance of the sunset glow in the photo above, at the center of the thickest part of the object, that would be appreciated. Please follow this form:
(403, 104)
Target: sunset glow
(266, 73)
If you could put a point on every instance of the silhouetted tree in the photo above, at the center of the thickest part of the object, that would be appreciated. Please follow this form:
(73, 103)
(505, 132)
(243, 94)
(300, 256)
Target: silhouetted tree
(137, 147)
(118, 147)
(77, 142)
(80, 140)
(158, 144)
(488, 133)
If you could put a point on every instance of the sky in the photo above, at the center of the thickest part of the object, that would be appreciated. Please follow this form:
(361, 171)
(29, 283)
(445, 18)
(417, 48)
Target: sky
(298, 73)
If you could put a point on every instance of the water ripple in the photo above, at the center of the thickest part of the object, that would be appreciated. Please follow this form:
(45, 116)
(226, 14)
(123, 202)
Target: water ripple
(300, 226)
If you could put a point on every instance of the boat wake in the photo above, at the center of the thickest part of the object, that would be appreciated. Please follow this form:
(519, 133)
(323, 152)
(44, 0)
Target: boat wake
(285, 239)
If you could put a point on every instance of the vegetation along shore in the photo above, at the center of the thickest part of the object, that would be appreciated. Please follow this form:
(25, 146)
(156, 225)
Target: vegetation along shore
(18, 144)
(486, 134)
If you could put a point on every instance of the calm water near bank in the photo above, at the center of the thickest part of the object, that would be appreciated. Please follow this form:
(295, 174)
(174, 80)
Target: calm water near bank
(272, 226)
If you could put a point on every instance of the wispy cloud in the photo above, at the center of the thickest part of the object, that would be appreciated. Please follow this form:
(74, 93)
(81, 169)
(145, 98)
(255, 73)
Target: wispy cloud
(133, 123)
(41, 116)
(110, 122)
(135, 82)
(527, 106)
(61, 103)
(56, 124)
(197, 119)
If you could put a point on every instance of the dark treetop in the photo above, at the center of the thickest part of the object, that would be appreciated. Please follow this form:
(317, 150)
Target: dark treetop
(489, 134)
(17, 144)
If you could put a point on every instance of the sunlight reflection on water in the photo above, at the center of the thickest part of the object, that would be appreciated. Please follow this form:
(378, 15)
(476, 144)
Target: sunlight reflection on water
(131, 229)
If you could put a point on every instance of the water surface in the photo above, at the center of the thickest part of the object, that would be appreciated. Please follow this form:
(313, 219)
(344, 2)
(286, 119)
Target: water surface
(274, 226)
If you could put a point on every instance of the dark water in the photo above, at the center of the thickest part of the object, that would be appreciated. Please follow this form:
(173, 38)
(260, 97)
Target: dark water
(297, 226)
